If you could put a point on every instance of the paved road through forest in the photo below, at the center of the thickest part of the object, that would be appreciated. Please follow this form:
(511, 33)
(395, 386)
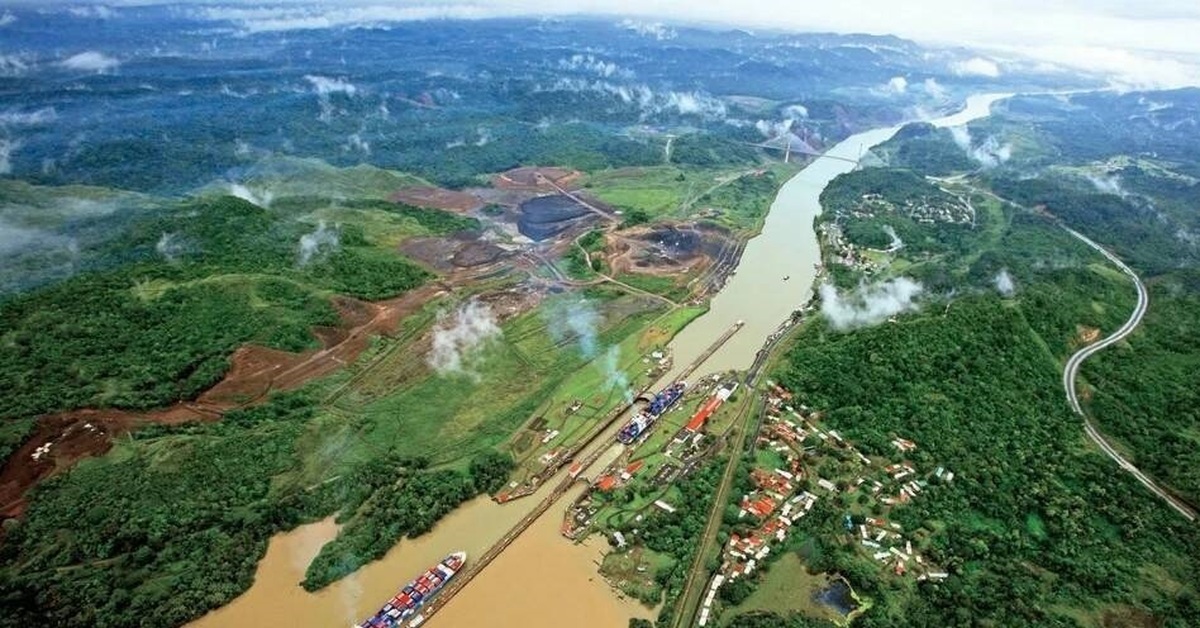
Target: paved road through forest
(1071, 372)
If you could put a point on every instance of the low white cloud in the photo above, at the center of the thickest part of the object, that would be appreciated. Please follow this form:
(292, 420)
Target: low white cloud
(13, 65)
(326, 85)
(869, 304)
(459, 339)
(323, 241)
(1004, 283)
(654, 30)
(7, 18)
(589, 63)
(897, 85)
(7, 148)
(98, 11)
(262, 199)
(976, 66)
(12, 117)
(1107, 184)
(795, 111)
(989, 153)
(648, 100)
(934, 89)
(91, 61)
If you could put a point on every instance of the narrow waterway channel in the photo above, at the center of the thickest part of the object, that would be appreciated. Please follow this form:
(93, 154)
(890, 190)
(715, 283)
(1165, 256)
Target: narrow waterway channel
(543, 580)
(777, 270)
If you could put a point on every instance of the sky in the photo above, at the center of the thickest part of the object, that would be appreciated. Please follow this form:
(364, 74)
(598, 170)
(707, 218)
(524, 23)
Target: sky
(1145, 43)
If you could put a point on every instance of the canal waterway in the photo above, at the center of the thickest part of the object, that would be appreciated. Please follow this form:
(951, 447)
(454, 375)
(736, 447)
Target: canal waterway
(776, 273)
(542, 579)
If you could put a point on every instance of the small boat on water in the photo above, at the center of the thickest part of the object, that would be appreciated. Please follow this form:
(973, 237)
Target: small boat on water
(401, 610)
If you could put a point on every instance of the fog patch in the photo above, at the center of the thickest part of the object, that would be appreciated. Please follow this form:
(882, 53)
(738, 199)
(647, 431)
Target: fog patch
(44, 115)
(459, 339)
(795, 111)
(897, 85)
(934, 89)
(897, 243)
(614, 377)
(976, 66)
(12, 66)
(1107, 185)
(320, 243)
(589, 63)
(655, 30)
(989, 154)
(868, 304)
(262, 199)
(7, 148)
(325, 88)
(650, 101)
(91, 61)
(576, 320)
(170, 247)
(1004, 283)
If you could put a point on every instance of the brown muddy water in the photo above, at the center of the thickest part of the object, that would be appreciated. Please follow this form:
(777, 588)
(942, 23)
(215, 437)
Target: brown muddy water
(543, 580)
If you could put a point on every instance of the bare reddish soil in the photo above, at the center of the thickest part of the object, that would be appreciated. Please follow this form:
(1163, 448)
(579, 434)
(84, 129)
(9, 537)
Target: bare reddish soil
(254, 372)
(438, 198)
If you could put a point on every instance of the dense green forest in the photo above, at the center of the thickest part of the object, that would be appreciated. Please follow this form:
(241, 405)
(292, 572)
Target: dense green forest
(1146, 391)
(389, 504)
(209, 276)
(924, 148)
(1036, 522)
(174, 521)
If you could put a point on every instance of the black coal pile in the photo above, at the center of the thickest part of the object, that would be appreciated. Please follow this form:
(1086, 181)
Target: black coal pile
(547, 216)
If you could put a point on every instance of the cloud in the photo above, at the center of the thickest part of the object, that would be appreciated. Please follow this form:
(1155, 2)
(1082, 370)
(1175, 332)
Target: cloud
(322, 241)
(7, 18)
(795, 111)
(989, 154)
(976, 66)
(91, 61)
(287, 18)
(458, 340)
(589, 63)
(655, 30)
(897, 85)
(325, 85)
(170, 247)
(1004, 283)
(576, 320)
(262, 199)
(869, 304)
(934, 89)
(651, 102)
(98, 12)
(45, 115)
(12, 66)
(1107, 185)
(7, 148)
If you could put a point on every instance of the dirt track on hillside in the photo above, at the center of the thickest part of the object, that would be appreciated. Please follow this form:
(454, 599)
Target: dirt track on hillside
(255, 371)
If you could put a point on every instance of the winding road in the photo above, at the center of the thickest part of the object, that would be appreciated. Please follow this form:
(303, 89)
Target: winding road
(1071, 372)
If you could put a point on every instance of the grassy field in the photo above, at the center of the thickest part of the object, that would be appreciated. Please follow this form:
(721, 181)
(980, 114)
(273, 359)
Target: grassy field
(660, 191)
(787, 588)
(592, 385)
(634, 571)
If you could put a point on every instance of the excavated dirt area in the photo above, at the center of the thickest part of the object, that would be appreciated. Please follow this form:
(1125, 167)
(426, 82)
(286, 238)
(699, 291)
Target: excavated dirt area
(461, 251)
(254, 372)
(438, 198)
(668, 249)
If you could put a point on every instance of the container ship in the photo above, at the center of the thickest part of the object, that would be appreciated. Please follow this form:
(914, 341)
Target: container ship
(401, 610)
(644, 419)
